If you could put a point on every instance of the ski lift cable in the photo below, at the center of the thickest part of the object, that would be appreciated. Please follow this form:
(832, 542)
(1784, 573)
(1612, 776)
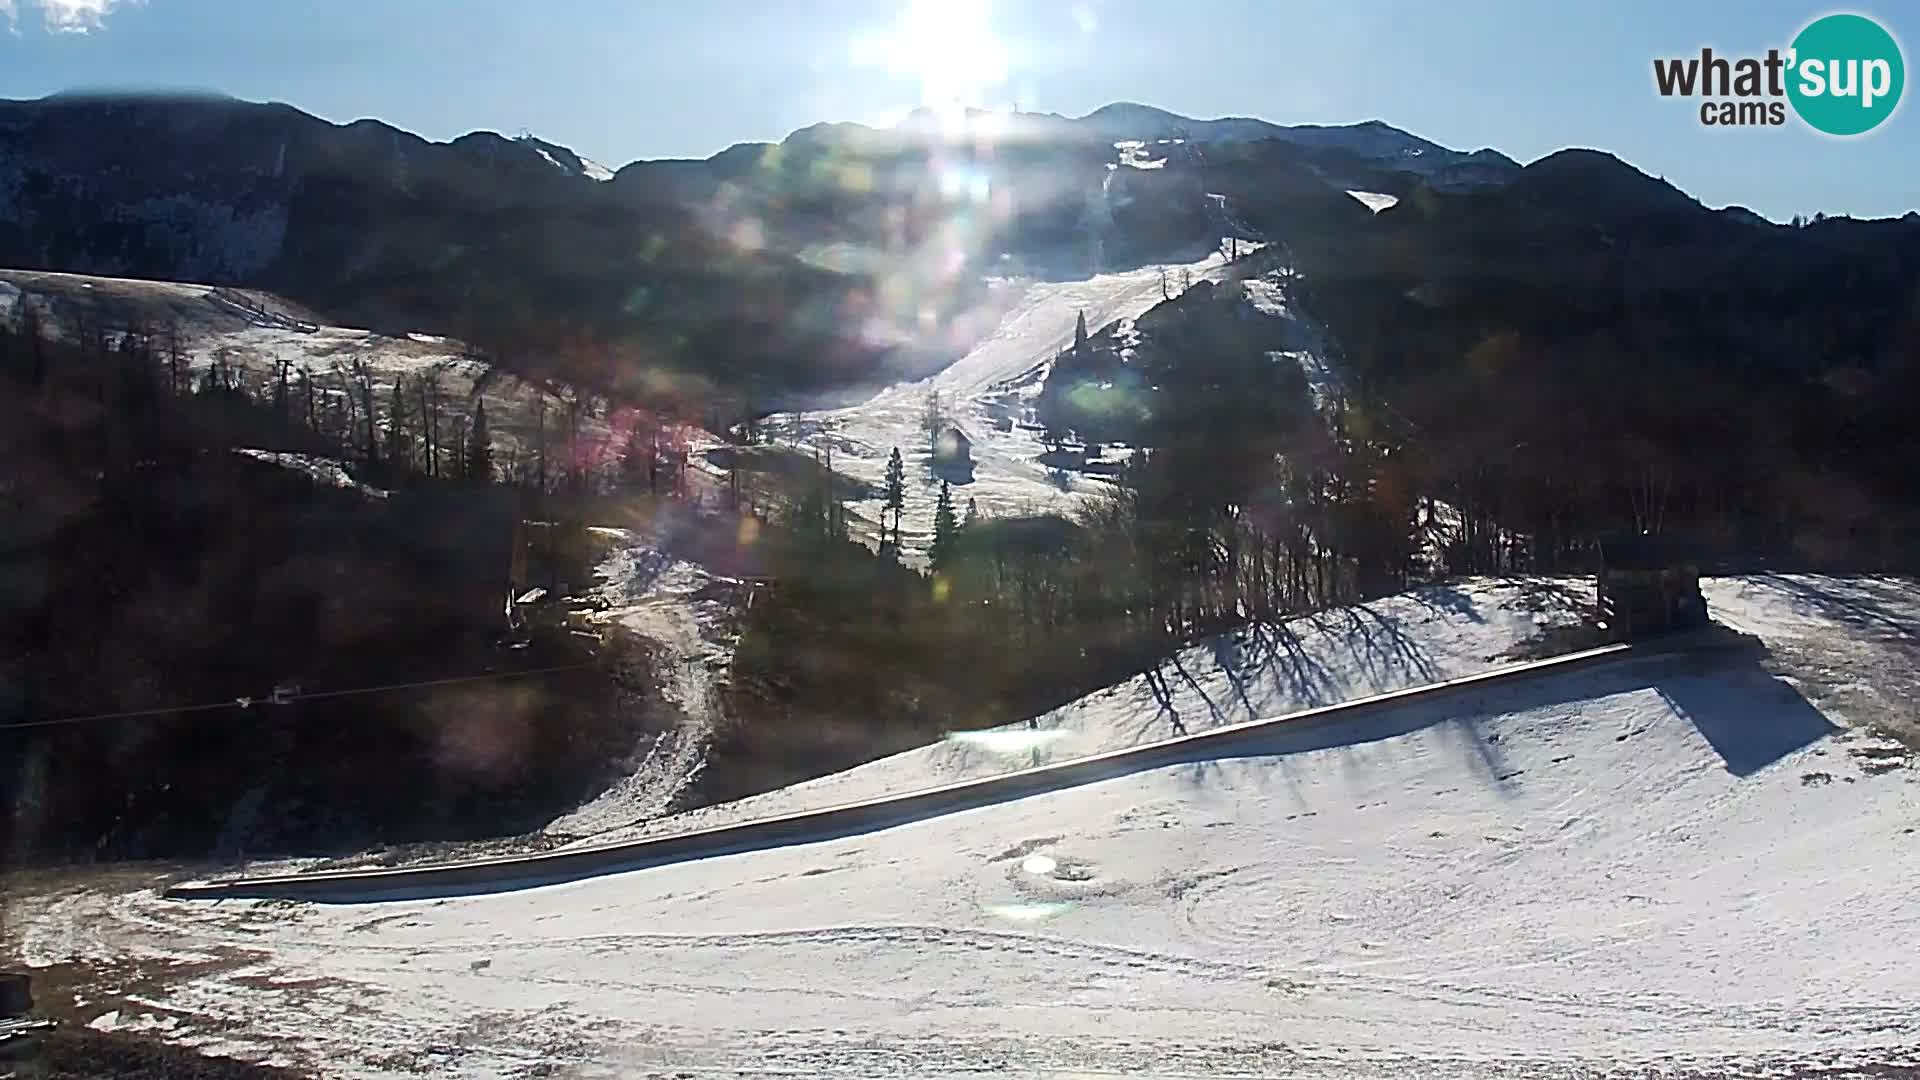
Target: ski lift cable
(278, 698)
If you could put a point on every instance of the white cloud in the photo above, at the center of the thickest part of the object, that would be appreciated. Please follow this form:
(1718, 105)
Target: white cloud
(66, 16)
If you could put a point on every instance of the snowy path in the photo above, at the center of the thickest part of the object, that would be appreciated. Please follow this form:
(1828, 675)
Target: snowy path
(1672, 870)
(1007, 478)
(662, 600)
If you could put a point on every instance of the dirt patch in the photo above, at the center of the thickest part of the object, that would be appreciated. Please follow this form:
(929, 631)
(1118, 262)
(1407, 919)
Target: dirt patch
(71, 1052)
(1875, 760)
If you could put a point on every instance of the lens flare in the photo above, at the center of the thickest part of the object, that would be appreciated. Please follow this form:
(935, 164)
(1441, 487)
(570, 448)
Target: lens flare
(1012, 743)
(1029, 912)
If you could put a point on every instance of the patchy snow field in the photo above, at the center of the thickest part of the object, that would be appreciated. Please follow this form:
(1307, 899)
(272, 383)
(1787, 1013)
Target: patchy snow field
(254, 332)
(1658, 868)
(679, 610)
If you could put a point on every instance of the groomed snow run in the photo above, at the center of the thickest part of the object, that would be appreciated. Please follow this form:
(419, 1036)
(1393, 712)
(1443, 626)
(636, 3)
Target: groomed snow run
(1673, 868)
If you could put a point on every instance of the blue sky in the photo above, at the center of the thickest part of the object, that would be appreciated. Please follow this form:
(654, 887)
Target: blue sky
(624, 79)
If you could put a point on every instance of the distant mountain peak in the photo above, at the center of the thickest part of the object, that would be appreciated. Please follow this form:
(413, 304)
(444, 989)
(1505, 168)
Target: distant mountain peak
(1600, 179)
(564, 159)
(1133, 109)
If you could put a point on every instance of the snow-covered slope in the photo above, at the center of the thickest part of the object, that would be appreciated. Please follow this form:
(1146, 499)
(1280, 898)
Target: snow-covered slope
(253, 332)
(1390, 644)
(1671, 869)
(1007, 478)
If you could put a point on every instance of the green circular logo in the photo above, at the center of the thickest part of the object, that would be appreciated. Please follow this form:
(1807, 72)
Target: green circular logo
(1847, 74)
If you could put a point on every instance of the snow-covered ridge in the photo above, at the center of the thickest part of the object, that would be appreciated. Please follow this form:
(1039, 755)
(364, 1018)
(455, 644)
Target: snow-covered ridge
(1390, 146)
(565, 160)
(253, 333)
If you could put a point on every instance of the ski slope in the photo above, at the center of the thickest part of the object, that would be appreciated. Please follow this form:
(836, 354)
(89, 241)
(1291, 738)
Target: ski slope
(1007, 478)
(1664, 868)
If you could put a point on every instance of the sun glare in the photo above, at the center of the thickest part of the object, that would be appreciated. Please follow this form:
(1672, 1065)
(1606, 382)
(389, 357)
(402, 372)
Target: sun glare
(949, 47)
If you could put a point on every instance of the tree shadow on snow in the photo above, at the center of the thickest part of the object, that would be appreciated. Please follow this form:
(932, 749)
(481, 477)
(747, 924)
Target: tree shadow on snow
(1277, 652)
(1383, 652)
(1187, 677)
(1227, 657)
(1860, 609)
(1447, 600)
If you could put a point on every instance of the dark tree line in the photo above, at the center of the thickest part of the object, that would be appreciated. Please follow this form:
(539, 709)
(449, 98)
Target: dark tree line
(1746, 386)
(148, 569)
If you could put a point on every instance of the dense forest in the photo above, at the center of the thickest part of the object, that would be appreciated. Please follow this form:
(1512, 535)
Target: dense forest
(1589, 349)
(1583, 351)
(205, 614)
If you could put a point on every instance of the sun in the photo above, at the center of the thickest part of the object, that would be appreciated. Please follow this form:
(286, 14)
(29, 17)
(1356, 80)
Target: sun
(948, 46)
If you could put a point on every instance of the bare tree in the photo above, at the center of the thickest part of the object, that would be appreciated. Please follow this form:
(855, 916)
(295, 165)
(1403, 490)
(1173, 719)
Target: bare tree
(176, 360)
(540, 438)
(349, 407)
(400, 440)
(576, 469)
(932, 419)
(282, 390)
(428, 387)
(362, 386)
(306, 395)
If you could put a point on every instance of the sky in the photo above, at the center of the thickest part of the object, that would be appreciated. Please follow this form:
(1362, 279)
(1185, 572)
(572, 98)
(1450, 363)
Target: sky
(619, 80)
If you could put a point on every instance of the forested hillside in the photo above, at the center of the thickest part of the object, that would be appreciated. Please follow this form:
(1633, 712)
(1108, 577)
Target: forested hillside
(1588, 348)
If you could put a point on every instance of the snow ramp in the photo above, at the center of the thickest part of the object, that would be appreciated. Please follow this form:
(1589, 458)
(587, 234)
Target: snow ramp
(1369, 719)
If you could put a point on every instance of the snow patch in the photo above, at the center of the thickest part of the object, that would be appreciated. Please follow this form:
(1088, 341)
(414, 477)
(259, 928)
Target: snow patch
(1374, 200)
(324, 470)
